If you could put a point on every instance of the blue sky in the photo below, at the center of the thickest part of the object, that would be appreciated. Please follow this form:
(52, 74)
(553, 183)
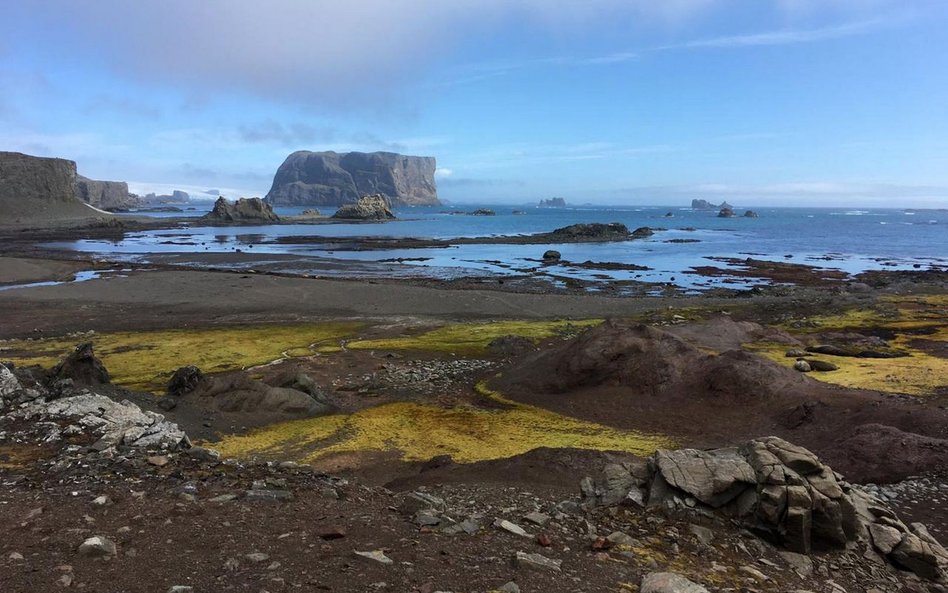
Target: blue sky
(761, 102)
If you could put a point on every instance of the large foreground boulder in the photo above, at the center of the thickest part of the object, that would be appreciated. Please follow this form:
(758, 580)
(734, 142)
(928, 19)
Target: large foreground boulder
(331, 179)
(243, 210)
(374, 207)
(776, 489)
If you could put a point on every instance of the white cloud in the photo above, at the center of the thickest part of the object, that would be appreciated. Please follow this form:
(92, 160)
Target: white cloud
(443, 172)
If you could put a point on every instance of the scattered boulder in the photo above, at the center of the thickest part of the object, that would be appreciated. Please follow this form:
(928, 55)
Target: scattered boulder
(97, 547)
(243, 210)
(642, 232)
(780, 491)
(551, 255)
(802, 366)
(374, 207)
(511, 345)
(821, 365)
(8, 383)
(82, 367)
(184, 380)
(751, 214)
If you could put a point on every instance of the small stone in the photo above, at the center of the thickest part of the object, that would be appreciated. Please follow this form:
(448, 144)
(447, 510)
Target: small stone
(511, 528)
(619, 538)
(540, 519)
(64, 580)
(158, 460)
(15, 556)
(426, 519)
(268, 496)
(331, 533)
(101, 500)
(375, 555)
(669, 582)
(802, 366)
(203, 454)
(257, 557)
(181, 589)
(510, 587)
(97, 547)
(223, 498)
(754, 574)
(536, 562)
(544, 540)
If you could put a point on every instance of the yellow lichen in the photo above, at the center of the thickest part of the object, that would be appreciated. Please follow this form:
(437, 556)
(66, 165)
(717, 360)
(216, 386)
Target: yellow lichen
(145, 359)
(912, 321)
(473, 338)
(420, 432)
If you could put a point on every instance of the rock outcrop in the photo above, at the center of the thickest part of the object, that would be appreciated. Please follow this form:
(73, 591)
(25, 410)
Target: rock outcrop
(595, 231)
(106, 195)
(374, 207)
(82, 367)
(726, 213)
(37, 189)
(331, 179)
(776, 489)
(243, 210)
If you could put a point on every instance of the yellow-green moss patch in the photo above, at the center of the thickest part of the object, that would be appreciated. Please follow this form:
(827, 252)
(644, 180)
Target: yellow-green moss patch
(918, 326)
(145, 359)
(473, 338)
(419, 432)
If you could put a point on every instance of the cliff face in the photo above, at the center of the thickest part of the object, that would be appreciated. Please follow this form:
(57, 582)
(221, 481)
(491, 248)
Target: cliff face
(106, 195)
(332, 179)
(36, 188)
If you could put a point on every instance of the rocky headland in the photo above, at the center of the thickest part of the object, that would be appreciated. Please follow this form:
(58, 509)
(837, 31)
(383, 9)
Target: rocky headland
(111, 196)
(332, 179)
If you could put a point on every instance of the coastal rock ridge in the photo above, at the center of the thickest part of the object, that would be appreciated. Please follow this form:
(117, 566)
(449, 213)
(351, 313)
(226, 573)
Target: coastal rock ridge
(332, 179)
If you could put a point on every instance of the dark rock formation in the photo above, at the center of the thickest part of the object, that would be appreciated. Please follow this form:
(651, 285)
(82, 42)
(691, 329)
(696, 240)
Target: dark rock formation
(552, 203)
(374, 207)
(551, 255)
(726, 213)
(331, 179)
(82, 367)
(39, 189)
(483, 212)
(106, 195)
(776, 489)
(751, 214)
(184, 380)
(595, 231)
(243, 210)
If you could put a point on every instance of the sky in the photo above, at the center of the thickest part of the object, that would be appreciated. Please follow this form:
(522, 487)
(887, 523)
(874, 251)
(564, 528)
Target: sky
(760, 102)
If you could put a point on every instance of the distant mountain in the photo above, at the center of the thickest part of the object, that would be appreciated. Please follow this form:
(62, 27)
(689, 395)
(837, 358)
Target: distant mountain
(332, 179)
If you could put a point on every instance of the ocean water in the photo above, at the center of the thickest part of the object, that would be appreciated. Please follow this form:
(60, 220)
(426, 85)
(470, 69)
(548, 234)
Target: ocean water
(851, 240)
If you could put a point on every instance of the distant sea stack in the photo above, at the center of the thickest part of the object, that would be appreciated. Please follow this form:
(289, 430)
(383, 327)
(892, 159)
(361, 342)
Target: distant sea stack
(34, 189)
(706, 205)
(332, 179)
(243, 210)
(552, 203)
(106, 195)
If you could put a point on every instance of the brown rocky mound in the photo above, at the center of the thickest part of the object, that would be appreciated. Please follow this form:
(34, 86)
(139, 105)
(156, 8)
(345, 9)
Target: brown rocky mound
(638, 377)
(879, 451)
(233, 399)
(82, 367)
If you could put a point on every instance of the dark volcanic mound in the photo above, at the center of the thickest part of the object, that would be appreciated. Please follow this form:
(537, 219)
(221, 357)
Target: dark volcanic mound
(637, 377)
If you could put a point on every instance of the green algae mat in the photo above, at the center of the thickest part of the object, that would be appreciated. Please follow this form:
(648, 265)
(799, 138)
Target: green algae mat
(145, 359)
(418, 432)
(914, 325)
